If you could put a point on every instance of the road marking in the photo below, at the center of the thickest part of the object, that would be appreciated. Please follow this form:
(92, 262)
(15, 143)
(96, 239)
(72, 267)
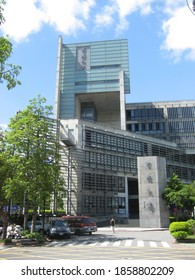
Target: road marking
(128, 243)
(153, 244)
(105, 243)
(140, 243)
(117, 243)
(165, 244)
(93, 244)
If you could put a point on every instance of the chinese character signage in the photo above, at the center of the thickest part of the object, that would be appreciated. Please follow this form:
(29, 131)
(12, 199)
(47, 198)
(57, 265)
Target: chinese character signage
(83, 58)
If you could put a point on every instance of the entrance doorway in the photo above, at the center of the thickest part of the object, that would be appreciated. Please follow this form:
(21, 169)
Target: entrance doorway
(133, 198)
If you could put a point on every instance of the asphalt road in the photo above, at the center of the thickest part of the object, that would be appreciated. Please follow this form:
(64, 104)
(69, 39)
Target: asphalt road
(134, 244)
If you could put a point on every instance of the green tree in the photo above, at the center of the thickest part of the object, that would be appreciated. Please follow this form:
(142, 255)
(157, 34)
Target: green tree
(179, 196)
(32, 139)
(5, 172)
(8, 71)
(188, 197)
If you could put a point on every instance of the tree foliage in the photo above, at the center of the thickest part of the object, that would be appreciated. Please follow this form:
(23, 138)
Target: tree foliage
(4, 174)
(8, 71)
(172, 192)
(32, 142)
(179, 196)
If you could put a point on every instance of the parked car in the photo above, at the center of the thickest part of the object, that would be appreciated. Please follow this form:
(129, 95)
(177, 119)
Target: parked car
(58, 229)
(39, 226)
(80, 224)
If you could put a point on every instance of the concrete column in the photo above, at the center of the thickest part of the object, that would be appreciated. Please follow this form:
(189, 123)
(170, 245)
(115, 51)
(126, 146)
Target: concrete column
(152, 180)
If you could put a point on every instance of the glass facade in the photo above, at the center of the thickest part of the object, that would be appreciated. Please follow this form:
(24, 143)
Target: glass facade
(92, 67)
(174, 122)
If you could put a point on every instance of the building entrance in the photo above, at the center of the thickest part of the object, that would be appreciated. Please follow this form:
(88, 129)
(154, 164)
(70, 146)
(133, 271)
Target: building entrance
(133, 199)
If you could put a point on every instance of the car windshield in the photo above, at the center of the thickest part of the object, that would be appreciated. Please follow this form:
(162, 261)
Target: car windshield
(59, 223)
(88, 221)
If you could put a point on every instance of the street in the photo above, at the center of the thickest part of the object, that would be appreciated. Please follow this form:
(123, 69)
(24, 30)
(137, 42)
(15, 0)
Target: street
(102, 245)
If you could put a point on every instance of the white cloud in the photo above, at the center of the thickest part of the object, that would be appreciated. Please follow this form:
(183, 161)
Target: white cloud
(105, 17)
(178, 30)
(121, 9)
(25, 17)
(22, 18)
(67, 16)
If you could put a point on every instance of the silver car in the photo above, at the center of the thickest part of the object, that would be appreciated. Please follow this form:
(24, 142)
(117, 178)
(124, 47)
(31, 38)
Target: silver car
(39, 226)
(58, 229)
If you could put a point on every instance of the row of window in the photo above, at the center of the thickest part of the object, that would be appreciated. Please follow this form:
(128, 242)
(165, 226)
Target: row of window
(113, 81)
(129, 146)
(182, 172)
(181, 112)
(182, 126)
(103, 205)
(110, 66)
(146, 127)
(101, 182)
(108, 161)
(112, 142)
(139, 114)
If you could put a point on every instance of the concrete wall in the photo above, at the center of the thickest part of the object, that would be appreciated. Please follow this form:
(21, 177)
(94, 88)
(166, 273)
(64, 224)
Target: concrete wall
(152, 180)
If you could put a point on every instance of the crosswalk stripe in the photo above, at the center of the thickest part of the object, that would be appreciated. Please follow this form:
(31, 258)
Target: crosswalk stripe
(140, 243)
(153, 244)
(128, 243)
(116, 243)
(93, 244)
(105, 243)
(165, 244)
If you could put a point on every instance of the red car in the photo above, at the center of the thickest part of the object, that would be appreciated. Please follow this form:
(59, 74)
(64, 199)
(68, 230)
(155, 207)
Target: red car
(80, 224)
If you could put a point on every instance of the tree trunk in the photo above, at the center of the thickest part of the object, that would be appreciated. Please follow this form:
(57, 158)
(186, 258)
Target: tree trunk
(34, 218)
(5, 224)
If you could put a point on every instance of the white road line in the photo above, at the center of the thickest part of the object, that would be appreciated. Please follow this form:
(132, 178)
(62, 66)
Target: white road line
(105, 243)
(93, 244)
(128, 243)
(153, 244)
(140, 243)
(165, 244)
(117, 243)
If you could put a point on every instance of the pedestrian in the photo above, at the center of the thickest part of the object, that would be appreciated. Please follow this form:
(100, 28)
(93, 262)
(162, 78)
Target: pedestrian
(112, 223)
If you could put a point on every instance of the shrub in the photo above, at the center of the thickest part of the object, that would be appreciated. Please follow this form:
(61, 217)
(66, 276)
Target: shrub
(179, 226)
(179, 230)
(7, 241)
(35, 235)
(191, 224)
(179, 234)
(25, 232)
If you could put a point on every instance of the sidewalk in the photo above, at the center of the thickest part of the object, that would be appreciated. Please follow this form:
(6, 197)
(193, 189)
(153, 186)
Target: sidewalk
(182, 244)
(131, 229)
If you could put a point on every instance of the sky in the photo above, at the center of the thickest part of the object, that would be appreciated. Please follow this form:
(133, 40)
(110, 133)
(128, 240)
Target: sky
(161, 41)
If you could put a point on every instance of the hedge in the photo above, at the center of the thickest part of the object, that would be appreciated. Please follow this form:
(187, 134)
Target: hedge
(179, 230)
(191, 224)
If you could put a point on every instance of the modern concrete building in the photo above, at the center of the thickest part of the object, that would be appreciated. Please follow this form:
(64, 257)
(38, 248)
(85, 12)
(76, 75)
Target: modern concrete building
(108, 169)
(172, 121)
(92, 80)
